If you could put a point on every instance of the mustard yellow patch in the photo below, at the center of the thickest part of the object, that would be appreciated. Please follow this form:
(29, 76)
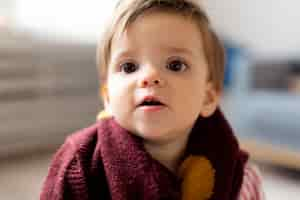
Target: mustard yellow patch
(103, 114)
(198, 178)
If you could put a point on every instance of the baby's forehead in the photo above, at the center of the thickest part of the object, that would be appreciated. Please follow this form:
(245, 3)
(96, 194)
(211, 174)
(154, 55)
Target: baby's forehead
(168, 50)
(174, 23)
(162, 32)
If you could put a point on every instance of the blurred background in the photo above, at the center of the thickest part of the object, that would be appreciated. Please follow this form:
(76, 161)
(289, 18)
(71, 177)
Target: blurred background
(49, 87)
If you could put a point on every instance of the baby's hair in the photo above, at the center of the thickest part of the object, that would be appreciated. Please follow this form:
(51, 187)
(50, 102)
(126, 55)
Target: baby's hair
(127, 11)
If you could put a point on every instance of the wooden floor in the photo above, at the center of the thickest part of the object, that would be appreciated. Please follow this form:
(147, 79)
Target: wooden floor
(21, 179)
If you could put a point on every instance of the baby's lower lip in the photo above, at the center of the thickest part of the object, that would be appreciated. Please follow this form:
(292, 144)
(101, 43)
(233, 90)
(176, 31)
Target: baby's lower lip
(152, 108)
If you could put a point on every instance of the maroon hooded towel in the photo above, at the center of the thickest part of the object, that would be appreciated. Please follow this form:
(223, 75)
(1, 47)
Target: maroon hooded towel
(105, 162)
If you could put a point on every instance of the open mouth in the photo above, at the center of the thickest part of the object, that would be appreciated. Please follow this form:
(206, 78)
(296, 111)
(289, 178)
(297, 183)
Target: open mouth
(151, 103)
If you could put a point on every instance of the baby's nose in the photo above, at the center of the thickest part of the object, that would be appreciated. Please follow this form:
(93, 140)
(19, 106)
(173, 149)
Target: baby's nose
(151, 78)
(147, 83)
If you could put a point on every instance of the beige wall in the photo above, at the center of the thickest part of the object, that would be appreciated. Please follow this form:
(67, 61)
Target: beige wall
(268, 27)
(7, 11)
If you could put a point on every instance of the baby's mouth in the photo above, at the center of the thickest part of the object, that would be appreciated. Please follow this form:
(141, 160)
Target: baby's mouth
(150, 101)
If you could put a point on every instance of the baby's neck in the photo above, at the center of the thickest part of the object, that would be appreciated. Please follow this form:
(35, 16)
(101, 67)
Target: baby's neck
(167, 153)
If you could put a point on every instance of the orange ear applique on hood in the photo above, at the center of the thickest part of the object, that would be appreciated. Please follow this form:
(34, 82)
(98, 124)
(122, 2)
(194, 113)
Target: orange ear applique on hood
(198, 177)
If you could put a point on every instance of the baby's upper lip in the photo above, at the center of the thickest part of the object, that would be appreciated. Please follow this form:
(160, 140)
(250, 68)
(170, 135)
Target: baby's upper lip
(150, 98)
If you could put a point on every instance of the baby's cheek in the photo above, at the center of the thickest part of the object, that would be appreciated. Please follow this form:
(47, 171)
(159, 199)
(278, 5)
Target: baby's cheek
(120, 105)
(116, 93)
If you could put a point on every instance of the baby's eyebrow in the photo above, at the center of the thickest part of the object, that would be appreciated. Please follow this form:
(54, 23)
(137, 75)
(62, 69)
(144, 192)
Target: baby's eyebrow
(123, 54)
(179, 50)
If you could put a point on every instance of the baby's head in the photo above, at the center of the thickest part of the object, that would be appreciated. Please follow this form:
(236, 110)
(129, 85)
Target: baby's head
(161, 67)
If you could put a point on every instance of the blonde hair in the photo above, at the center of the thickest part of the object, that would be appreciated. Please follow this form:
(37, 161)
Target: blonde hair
(126, 13)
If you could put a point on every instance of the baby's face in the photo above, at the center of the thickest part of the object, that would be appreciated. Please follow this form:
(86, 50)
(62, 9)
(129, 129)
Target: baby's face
(157, 78)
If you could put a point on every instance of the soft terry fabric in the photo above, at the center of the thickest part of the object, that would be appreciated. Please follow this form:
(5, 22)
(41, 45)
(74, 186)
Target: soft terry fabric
(105, 161)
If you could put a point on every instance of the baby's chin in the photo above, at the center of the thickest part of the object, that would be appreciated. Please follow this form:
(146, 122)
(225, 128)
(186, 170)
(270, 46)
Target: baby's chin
(150, 131)
(154, 135)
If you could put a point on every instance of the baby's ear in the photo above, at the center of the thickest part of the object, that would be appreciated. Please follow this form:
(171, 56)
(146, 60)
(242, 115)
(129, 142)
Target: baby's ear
(211, 100)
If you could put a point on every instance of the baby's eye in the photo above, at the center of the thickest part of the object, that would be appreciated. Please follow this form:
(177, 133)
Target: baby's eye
(129, 67)
(176, 65)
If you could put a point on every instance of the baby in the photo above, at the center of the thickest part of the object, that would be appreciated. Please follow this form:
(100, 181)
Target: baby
(162, 134)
